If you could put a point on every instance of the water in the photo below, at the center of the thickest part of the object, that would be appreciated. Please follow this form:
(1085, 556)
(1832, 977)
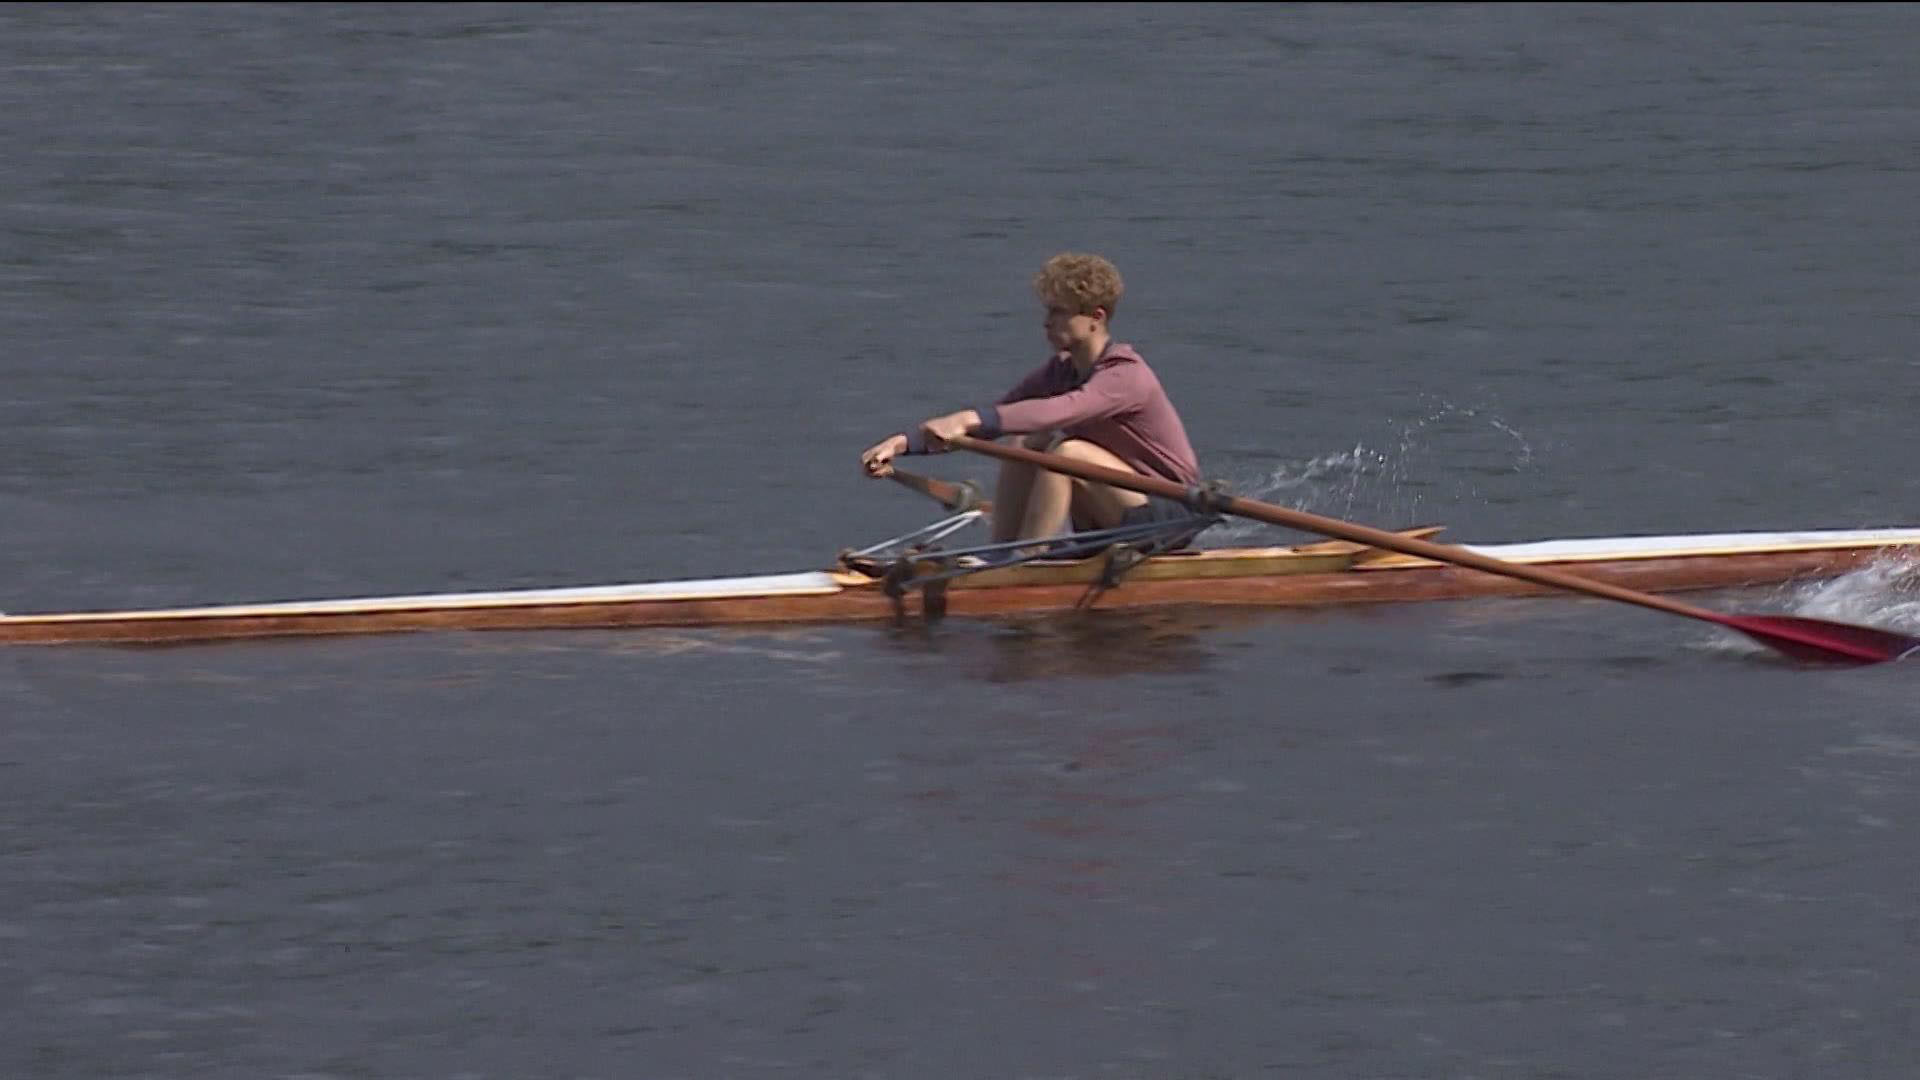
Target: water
(330, 300)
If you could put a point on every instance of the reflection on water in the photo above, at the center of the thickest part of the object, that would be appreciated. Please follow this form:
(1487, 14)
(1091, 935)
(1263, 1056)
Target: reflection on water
(1097, 644)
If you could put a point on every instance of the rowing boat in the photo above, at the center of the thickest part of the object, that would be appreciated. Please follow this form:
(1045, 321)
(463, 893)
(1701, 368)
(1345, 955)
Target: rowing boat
(912, 585)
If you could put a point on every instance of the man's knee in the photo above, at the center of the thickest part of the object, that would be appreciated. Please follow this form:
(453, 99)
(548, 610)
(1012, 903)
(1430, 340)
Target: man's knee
(1082, 450)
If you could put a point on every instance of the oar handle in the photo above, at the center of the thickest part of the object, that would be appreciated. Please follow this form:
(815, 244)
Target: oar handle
(1205, 500)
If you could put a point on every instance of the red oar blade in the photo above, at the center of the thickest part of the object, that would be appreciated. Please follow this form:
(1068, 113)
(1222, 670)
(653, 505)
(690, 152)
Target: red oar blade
(1822, 641)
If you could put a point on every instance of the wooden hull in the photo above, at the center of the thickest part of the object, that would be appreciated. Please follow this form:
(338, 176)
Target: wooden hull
(1311, 575)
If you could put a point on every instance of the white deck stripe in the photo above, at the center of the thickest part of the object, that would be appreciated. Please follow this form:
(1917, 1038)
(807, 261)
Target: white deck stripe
(803, 584)
(1656, 547)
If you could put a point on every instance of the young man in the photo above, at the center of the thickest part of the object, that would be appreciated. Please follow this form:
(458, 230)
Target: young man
(1096, 401)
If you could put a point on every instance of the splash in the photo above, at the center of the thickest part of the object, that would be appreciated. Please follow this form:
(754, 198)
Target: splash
(1444, 452)
(1885, 593)
(1331, 483)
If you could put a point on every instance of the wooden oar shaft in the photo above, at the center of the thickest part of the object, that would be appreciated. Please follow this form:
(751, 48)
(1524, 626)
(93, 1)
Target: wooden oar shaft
(1314, 523)
(954, 497)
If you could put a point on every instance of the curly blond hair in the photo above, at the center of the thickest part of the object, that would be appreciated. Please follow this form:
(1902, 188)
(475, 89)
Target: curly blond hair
(1079, 283)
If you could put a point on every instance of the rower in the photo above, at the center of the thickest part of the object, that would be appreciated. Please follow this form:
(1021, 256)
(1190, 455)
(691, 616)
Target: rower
(1094, 401)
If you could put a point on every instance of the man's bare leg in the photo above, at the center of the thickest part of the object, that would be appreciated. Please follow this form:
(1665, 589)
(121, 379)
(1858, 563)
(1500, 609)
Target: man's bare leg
(1049, 500)
(1035, 503)
(1013, 495)
(1096, 505)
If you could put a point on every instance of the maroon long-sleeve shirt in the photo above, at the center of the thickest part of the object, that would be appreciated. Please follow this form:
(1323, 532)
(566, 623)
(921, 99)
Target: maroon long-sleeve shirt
(1120, 407)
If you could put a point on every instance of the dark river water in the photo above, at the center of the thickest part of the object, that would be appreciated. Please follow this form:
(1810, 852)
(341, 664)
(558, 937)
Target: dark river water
(334, 300)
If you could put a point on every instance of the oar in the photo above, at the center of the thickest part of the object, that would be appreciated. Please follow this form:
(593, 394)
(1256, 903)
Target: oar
(1802, 638)
(955, 497)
